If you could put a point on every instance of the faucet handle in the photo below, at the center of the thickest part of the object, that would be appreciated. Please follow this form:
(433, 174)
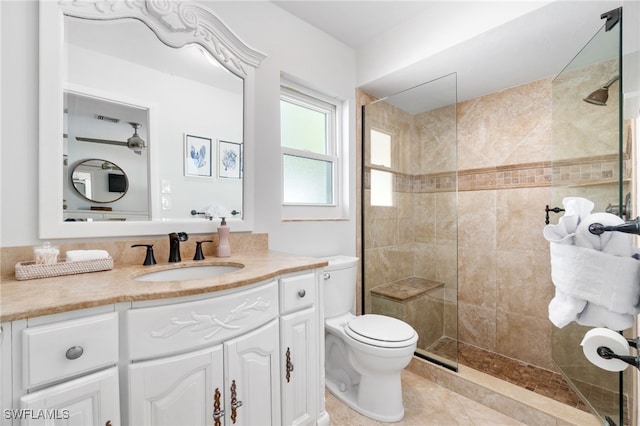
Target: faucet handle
(149, 259)
(199, 255)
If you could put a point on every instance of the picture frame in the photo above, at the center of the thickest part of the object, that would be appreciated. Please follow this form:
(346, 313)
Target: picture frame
(198, 156)
(229, 160)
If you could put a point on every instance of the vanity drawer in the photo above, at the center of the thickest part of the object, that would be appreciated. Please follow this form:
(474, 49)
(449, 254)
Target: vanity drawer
(67, 348)
(297, 292)
(179, 327)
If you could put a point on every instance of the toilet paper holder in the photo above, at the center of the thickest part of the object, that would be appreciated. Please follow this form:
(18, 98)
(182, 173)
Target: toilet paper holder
(606, 353)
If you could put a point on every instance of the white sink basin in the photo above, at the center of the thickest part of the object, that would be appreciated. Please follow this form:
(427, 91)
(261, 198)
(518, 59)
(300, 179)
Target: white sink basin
(188, 273)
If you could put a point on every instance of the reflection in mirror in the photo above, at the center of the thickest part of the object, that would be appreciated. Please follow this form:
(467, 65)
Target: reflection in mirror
(203, 85)
(101, 128)
(99, 181)
(192, 93)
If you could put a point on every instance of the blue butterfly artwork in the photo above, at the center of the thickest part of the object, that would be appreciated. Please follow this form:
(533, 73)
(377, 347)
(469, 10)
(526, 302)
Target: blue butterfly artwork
(199, 157)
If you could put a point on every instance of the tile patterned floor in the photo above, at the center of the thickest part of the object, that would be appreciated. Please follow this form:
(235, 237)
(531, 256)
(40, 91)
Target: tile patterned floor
(426, 403)
(535, 379)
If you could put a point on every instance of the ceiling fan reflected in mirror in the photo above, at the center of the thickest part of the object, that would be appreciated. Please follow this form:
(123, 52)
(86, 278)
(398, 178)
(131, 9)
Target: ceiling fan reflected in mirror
(134, 143)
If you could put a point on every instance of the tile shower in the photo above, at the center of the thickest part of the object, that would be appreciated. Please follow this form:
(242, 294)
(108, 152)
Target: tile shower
(494, 223)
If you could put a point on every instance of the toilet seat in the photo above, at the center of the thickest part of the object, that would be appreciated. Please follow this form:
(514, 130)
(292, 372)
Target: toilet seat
(380, 330)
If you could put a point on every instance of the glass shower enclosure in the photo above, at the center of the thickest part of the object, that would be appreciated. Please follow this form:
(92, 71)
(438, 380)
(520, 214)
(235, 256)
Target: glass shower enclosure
(591, 159)
(409, 214)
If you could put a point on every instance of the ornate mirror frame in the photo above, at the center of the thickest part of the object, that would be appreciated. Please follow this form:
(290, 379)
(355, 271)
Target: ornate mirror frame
(175, 24)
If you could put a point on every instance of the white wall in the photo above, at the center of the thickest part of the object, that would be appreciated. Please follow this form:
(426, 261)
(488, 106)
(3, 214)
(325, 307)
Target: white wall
(291, 46)
(324, 64)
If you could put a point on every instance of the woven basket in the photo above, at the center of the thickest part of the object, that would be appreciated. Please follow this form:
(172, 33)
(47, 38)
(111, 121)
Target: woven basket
(30, 270)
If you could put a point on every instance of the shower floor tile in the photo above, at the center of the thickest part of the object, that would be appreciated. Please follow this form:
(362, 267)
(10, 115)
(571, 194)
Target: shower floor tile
(535, 379)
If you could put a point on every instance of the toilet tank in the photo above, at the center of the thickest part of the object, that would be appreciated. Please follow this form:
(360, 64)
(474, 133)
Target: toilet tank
(339, 285)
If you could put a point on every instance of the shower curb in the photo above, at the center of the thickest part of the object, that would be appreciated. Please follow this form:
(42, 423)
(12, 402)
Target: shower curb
(509, 399)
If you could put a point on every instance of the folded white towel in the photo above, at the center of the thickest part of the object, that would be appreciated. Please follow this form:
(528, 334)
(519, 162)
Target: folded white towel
(216, 211)
(612, 282)
(597, 281)
(78, 255)
(564, 308)
(576, 209)
(597, 316)
(613, 243)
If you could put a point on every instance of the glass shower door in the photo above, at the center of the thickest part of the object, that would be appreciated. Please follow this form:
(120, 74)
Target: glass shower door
(590, 160)
(409, 207)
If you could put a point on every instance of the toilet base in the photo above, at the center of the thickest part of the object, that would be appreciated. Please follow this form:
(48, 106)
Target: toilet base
(393, 408)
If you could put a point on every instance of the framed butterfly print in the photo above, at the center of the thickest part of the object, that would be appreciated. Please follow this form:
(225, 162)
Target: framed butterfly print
(229, 160)
(198, 156)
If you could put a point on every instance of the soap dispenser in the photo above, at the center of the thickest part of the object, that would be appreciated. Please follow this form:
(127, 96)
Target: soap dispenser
(224, 250)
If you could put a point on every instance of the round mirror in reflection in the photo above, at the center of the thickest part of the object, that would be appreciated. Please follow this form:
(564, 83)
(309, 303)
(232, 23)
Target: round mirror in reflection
(99, 181)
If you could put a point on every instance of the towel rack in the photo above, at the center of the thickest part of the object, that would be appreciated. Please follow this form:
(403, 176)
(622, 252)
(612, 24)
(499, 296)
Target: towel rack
(629, 227)
(547, 210)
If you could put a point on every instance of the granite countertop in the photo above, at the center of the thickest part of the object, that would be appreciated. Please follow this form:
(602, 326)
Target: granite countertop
(32, 298)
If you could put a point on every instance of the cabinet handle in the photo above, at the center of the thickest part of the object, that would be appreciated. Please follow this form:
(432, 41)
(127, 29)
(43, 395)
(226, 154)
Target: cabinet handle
(74, 352)
(235, 404)
(289, 365)
(326, 276)
(217, 412)
(302, 293)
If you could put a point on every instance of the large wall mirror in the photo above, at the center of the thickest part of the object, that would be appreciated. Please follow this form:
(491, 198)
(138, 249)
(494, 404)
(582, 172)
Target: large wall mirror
(169, 76)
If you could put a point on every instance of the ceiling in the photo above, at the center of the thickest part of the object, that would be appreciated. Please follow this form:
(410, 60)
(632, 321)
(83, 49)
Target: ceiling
(355, 22)
(533, 42)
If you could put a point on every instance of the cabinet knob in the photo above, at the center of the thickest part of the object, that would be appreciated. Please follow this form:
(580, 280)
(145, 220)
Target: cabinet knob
(327, 276)
(74, 352)
(302, 293)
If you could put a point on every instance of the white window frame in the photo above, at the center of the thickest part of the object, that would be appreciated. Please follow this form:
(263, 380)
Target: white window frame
(300, 95)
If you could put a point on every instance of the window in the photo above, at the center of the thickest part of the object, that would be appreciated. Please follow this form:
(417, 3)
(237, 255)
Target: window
(310, 143)
(381, 180)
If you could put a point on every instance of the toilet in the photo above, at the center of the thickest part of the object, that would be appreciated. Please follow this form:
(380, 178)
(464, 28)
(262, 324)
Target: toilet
(364, 355)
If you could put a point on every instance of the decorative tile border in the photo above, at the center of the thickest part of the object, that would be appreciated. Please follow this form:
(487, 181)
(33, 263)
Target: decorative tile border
(583, 171)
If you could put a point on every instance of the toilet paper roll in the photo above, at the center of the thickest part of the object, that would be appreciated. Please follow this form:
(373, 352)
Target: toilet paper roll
(597, 337)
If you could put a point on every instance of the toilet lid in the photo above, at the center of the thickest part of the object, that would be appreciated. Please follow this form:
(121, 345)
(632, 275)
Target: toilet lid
(380, 330)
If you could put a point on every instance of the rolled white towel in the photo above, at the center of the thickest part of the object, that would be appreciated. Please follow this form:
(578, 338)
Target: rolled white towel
(610, 242)
(78, 255)
(576, 210)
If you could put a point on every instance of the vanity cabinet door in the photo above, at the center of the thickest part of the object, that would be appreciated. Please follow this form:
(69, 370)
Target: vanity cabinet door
(177, 390)
(88, 400)
(253, 371)
(299, 363)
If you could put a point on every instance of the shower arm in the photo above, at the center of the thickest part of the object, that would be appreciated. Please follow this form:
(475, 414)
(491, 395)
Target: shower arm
(610, 82)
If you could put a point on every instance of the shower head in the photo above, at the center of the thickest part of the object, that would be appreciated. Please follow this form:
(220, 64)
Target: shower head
(600, 96)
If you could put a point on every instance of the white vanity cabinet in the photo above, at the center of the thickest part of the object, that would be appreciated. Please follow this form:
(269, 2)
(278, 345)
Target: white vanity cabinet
(299, 347)
(226, 370)
(247, 355)
(88, 400)
(69, 373)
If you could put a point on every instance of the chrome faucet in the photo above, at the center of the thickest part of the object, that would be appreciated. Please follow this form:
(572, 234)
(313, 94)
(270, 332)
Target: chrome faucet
(174, 245)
